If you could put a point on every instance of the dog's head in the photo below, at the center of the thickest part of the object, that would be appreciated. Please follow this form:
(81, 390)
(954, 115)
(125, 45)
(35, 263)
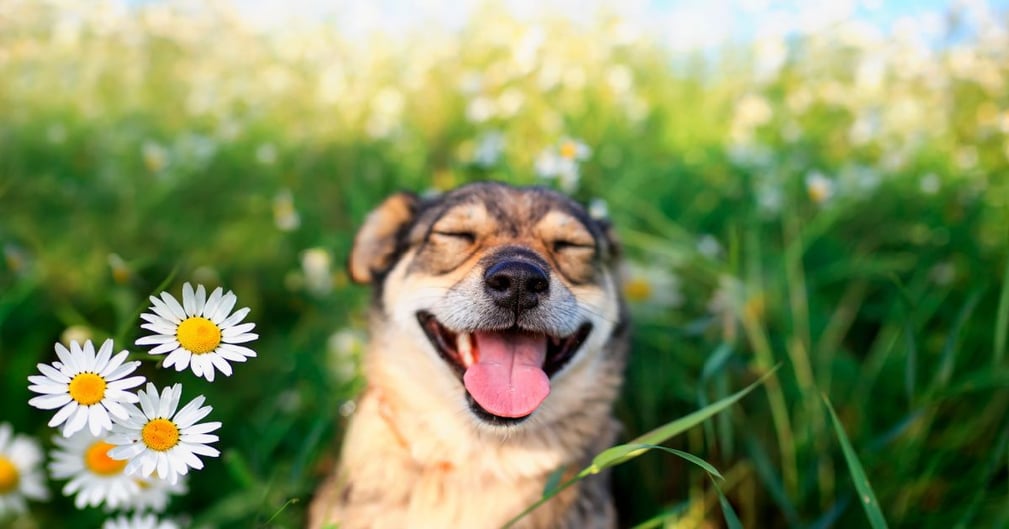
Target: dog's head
(507, 297)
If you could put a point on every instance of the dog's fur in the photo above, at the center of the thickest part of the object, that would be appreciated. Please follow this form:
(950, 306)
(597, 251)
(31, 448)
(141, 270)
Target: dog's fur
(420, 452)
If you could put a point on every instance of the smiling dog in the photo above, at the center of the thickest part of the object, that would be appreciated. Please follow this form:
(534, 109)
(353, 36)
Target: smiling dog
(498, 340)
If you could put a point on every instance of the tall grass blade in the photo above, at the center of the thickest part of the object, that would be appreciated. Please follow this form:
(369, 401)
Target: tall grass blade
(994, 463)
(713, 365)
(668, 430)
(618, 454)
(829, 518)
(911, 365)
(948, 361)
(865, 493)
(731, 520)
(553, 481)
(765, 471)
(1002, 319)
(130, 323)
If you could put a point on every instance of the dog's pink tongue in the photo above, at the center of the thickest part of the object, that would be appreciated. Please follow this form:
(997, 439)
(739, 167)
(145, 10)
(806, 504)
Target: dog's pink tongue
(507, 378)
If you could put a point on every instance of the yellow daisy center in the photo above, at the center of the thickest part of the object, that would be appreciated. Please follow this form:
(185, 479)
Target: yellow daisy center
(87, 389)
(97, 460)
(638, 289)
(8, 475)
(569, 150)
(199, 335)
(160, 434)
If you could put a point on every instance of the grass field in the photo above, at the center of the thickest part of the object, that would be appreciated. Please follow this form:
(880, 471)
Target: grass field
(836, 203)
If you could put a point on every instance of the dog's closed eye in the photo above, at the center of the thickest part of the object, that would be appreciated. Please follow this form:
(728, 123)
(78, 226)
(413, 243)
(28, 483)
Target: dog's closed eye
(461, 236)
(562, 245)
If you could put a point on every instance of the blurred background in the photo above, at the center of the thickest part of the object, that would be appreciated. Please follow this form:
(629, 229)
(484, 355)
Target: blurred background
(820, 186)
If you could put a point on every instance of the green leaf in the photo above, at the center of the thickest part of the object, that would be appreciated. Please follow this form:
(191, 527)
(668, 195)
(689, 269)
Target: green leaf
(865, 493)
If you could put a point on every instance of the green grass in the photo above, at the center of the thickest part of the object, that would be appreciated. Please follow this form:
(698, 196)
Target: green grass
(167, 150)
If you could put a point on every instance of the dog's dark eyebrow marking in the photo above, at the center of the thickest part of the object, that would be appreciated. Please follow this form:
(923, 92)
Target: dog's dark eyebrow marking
(495, 206)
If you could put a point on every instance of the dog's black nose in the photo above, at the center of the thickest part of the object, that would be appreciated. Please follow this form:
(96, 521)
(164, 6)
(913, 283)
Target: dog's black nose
(516, 284)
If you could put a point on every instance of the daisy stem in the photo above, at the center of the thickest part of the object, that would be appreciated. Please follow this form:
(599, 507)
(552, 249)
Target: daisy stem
(129, 323)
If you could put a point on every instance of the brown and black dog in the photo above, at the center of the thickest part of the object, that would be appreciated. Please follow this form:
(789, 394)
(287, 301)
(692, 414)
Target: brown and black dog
(497, 345)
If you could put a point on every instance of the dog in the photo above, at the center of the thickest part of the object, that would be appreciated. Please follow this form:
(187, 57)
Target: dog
(498, 338)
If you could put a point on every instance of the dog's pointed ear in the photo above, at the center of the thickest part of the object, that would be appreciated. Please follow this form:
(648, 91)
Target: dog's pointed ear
(613, 247)
(376, 243)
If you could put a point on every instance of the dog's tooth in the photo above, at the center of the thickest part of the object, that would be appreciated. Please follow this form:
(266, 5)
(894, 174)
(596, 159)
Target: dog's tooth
(464, 345)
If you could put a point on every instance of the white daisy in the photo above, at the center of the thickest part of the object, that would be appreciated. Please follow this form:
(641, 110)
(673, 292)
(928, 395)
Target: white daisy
(199, 332)
(561, 162)
(86, 388)
(94, 476)
(20, 477)
(652, 286)
(819, 187)
(138, 521)
(156, 438)
(154, 494)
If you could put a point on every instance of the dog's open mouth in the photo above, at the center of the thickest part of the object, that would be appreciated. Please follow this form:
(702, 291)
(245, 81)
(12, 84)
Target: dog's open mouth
(506, 372)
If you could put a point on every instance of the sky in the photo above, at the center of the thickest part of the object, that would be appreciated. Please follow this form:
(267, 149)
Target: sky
(684, 25)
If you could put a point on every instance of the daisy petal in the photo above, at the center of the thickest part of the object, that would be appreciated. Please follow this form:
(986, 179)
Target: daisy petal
(221, 364)
(164, 348)
(213, 302)
(236, 317)
(155, 339)
(227, 303)
(179, 358)
(188, 299)
(173, 306)
(126, 383)
(238, 329)
(48, 388)
(201, 300)
(161, 309)
(63, 414)
(89, 354)
(116, 363)
(53, 374)
(49, 402)
(97, 416)
(104, 354)
(238, 349)
(79, 420)
(241, 338)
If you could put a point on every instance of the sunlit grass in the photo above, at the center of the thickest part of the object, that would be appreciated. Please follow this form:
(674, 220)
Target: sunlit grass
(842, 214)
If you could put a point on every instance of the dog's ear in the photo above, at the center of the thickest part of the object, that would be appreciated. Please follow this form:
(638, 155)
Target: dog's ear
(613, 246)
(376, 243)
